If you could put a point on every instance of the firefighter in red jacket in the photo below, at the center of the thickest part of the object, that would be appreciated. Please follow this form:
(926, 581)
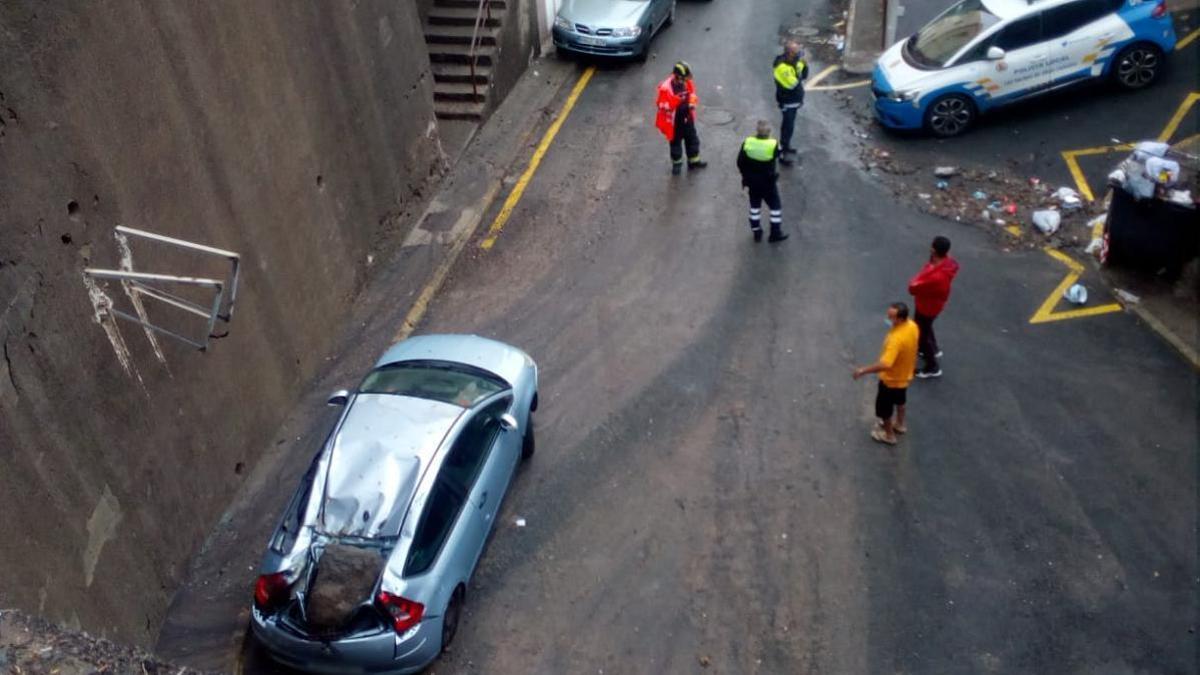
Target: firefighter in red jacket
(676, 117)
(930, 289)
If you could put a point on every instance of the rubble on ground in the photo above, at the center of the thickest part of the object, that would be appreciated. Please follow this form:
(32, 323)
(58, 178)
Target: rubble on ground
(33, 646)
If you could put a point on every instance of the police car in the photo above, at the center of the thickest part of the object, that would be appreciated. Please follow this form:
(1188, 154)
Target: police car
(981, 54)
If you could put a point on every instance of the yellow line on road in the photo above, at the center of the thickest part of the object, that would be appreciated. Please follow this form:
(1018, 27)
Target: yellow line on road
(1046, 312)
(812, 85)
(819, 76)
(1187, 40)
(1180, 112)
(519, 189)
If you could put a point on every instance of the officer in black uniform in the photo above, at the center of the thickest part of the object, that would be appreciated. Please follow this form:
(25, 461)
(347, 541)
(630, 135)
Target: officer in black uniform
(756, 162)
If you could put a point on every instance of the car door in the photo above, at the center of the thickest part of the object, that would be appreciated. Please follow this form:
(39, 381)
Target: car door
(1076, 34)
(501, 456)
(1022, 70)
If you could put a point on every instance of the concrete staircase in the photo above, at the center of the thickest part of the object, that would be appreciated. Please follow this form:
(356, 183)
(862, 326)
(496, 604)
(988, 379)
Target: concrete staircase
(448, 30)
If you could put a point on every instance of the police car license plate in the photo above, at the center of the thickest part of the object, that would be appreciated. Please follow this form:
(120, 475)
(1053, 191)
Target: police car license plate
(593, 42)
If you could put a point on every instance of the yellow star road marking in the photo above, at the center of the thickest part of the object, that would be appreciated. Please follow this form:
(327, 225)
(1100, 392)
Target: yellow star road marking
(1046, 313)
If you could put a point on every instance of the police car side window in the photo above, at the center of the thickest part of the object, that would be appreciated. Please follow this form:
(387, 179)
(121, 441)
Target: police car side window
(1021, 33)
(1065, 19)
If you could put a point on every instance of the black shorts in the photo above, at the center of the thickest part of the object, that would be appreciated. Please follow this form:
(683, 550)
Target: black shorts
(887, 399)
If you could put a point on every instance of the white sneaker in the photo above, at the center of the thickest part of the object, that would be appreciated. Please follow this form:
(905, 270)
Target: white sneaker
(925, 374)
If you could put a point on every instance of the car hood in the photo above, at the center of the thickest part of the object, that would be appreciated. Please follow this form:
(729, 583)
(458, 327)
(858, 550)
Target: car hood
(603, 13)
(495, 357)
(893, 73)
(376, 460)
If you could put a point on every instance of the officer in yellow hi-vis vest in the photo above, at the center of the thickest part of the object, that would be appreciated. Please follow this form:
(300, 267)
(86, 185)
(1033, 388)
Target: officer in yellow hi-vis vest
(790, 73)
(756, 162)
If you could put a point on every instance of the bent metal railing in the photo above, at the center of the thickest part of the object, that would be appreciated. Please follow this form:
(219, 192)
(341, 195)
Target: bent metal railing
(482, 16)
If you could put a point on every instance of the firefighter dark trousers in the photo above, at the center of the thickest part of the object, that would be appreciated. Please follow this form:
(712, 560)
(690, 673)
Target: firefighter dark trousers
(685, 135)
(770, 194)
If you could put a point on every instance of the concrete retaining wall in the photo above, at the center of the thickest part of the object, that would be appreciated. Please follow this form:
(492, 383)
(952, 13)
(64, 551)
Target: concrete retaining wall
(295, 133)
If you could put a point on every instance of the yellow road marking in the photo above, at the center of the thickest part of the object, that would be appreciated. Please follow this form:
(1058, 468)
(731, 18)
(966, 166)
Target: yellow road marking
(1046, 312)
(1181, 112)
(519, 189)
(811, 85)
(819, 76)
(1187, 40)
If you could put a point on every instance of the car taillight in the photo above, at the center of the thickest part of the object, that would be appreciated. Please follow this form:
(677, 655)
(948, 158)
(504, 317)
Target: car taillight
(403, 613)
(1160, 10)
(271, 590)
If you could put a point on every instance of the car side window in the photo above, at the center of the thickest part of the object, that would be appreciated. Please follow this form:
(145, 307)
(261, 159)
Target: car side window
(1066, 19)
(1020, 33)
(459, 470)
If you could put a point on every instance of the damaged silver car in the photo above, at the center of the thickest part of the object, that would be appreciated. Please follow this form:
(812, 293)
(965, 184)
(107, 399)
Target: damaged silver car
(368, 569)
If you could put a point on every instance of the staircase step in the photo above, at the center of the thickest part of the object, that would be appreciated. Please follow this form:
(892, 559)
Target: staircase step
(459, 110)
(462, 16)
(460, 72)
(459, 35)
(460, 91)
(470, 4)
(461, 53)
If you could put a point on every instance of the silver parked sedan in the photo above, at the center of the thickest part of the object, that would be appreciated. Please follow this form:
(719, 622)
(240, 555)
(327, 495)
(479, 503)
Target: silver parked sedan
(368, 569)
(611, 27)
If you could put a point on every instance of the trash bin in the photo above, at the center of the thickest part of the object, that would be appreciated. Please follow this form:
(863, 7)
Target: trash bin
(1152, 221)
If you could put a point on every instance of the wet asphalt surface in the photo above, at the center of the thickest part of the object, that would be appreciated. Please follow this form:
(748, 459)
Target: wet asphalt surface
(706, 498)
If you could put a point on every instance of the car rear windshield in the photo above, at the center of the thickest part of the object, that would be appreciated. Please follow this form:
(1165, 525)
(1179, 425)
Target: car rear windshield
(935, 44)
(452, 383)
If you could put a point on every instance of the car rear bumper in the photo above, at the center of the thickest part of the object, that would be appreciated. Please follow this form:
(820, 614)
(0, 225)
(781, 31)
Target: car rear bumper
(379, 652)
(599, 46)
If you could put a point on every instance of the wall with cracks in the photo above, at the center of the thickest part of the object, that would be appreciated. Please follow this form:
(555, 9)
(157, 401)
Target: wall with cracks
(299, 134)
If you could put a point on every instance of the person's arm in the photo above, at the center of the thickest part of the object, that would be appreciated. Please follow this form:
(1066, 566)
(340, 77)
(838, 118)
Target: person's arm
(891, 350)
(804, 72)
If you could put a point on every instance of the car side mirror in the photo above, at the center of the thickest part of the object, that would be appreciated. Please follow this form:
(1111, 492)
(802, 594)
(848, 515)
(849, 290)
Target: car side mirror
(338, 398)
(995, 53)
(508, 422)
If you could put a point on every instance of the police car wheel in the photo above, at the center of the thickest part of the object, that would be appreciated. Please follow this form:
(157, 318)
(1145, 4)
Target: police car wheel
(950, 115)
(1138, 66)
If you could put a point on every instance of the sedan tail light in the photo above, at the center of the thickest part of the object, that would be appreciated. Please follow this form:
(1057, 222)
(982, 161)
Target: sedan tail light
(271, 590)
(1160, 10)
(403, 613)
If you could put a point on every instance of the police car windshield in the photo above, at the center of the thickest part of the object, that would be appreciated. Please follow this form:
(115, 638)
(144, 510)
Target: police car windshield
(942, 38)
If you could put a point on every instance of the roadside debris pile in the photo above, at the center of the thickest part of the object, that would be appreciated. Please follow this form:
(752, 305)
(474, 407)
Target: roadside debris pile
(993, 198)
(34, 646)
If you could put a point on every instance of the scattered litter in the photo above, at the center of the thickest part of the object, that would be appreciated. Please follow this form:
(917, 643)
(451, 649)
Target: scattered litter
(1181, 197)
(995, 206)
(705, 661)
(945, 171)
(979, 194)
(1000, 222)
(942, 185)
(1147, 149)
(1097, 221)
(1094, 246)
(1068, 198)
(1127, 298)
(1034, 181)
(924, 195)
(1010, 208)
(1076, 294)
(519, 522)
(1047, 221)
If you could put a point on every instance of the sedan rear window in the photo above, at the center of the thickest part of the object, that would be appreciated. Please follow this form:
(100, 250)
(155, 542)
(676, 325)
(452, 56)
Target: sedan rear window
(452, 383)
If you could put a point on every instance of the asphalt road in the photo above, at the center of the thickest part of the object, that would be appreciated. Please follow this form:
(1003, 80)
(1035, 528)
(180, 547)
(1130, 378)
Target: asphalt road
(706, 498)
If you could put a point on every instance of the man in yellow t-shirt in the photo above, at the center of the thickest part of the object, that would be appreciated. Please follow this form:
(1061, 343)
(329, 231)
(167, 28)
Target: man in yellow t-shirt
(896, 365)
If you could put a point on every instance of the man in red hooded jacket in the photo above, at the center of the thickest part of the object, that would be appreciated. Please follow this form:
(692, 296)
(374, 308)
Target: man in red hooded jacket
(930, 290)
(676, 117)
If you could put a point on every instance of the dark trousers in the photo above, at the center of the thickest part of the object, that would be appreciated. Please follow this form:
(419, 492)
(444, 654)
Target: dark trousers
(788, 125)
(769, 193)
(685, 134)
(927, 342)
